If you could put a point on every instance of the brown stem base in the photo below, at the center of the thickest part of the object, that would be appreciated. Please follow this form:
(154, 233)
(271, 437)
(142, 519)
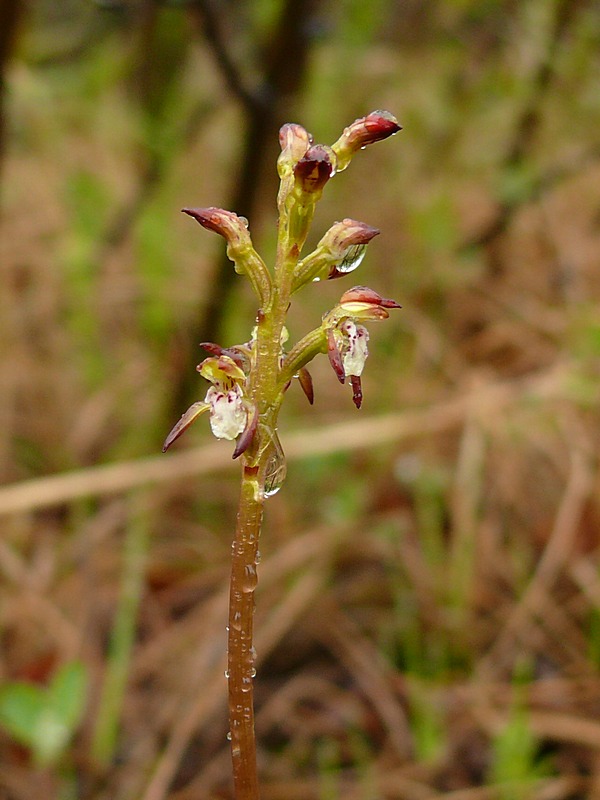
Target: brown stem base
(240, 652)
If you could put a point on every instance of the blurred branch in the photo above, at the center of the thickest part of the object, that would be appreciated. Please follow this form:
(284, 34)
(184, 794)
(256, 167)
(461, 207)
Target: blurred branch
(153, 172)
(10, 14)
(527, 125)
(206, 13)
(150, 84)
(110, 479)
(281, 72)
(538, 187)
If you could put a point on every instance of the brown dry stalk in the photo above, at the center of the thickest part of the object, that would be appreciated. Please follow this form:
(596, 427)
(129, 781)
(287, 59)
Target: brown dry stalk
(111, 479)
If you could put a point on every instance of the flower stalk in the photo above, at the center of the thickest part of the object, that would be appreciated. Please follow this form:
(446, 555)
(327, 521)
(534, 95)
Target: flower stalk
(248, 381)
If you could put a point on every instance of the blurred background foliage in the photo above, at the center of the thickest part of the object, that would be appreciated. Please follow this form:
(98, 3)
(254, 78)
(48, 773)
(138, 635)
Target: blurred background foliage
(428, 610)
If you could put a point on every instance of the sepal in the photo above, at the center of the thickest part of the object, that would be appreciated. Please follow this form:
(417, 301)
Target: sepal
(184, 423)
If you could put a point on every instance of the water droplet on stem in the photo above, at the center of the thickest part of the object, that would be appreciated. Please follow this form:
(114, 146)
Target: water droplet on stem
(276, 467)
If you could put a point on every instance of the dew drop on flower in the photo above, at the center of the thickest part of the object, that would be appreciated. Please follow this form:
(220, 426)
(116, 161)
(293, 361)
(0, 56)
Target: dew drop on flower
(352, 259)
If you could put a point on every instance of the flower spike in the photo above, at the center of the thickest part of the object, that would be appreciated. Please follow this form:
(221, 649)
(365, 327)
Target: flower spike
(248, 382)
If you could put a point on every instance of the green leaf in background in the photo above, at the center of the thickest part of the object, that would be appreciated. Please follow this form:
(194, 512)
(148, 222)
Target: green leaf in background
(67, 693)
(516, 760)
(21, 705)
(44, 719)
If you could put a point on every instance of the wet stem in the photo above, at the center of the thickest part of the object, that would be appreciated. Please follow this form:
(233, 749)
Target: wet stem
(267, 395)
(240, 651)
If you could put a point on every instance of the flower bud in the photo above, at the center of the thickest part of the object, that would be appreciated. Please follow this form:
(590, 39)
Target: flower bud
(346, 233)
(360, 303)
(363, 294)
(339, 252)
(375, 127)
(314, 170)
(294, 141)
(234, 230)
(297, 208)
(225, 223)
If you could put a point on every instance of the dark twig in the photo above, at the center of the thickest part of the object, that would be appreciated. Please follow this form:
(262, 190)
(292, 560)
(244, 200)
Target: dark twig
(526, 128)
(281, 75)
(214, 36)
(10, 14)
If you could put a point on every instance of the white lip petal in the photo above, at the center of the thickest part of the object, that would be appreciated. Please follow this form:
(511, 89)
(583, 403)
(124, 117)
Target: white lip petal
(356, 338)
(227, 413)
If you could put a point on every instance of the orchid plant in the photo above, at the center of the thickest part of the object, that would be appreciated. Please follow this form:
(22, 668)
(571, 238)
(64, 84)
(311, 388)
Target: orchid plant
(248, 381)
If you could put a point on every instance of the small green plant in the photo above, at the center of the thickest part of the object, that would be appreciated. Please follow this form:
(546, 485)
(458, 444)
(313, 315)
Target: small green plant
(44, 719)
(249, 381)
(516, 762)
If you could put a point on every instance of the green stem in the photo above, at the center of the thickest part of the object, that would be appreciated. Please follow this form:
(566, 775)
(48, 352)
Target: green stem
(302, 353)
(123, 633)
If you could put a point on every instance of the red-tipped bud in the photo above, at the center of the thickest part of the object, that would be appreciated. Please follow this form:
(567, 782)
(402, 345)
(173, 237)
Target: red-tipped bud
(225, 223)
(375, 127)
(234, 229)
(314, 169)
(339, 252)
(349, 232)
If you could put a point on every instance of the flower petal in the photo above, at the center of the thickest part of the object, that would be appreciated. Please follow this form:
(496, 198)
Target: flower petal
(244, 440)
(228, 414)
(357, 395)
(335, 358)
(220, 368)
(363, 294)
